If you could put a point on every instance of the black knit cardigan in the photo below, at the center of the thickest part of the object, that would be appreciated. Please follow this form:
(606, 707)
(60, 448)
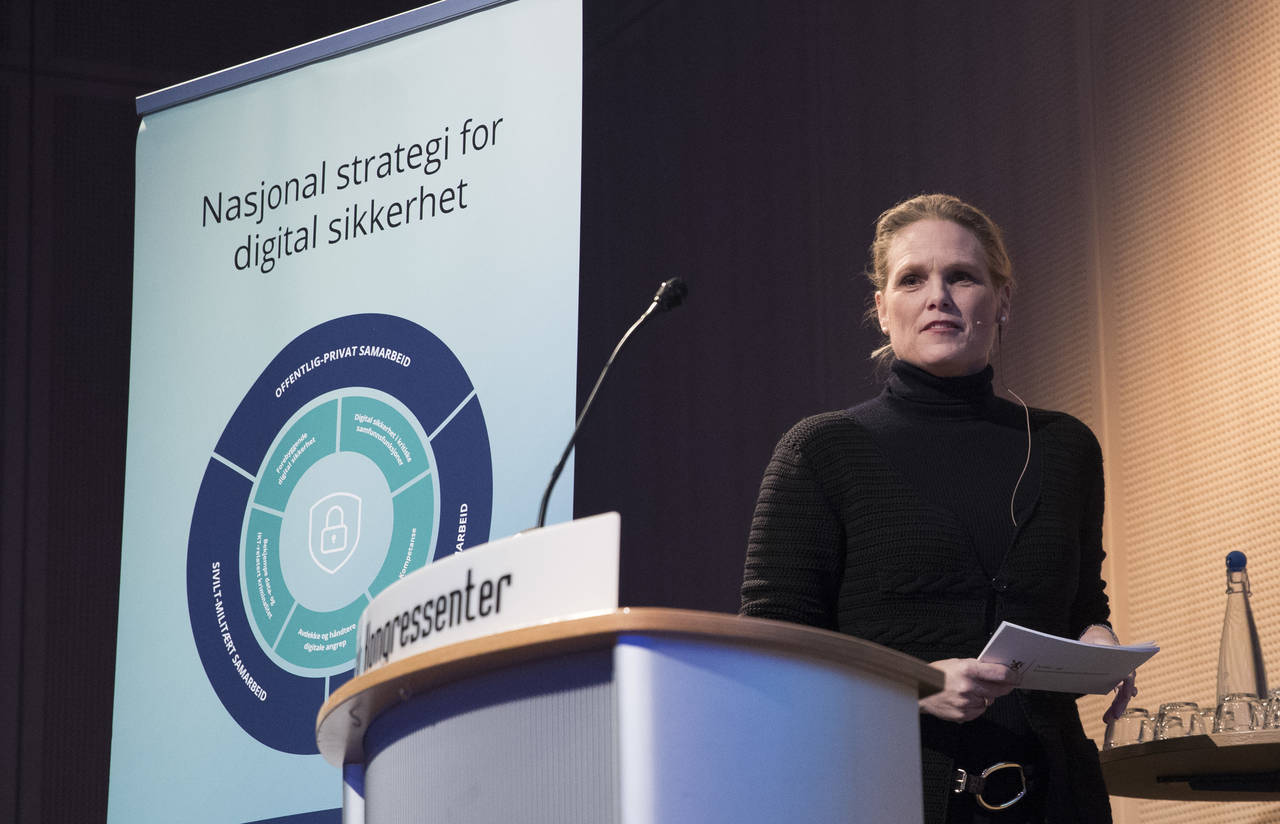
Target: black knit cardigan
(841, 540)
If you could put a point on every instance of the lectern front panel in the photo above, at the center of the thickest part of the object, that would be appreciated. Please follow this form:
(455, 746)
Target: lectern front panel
(716, 734)
(638, 716)
(501, 747)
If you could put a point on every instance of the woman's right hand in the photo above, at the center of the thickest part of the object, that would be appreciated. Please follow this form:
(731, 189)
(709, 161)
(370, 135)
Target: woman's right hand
(970, 687)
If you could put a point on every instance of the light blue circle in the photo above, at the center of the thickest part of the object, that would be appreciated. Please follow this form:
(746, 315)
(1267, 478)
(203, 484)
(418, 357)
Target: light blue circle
(319, 595)
(314, 586)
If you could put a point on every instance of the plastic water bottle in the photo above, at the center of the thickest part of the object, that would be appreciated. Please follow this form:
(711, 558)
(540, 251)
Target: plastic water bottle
(1240, 667)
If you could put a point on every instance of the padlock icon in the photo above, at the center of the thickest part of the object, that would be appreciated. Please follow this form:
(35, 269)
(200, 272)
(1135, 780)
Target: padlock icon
(333, 538)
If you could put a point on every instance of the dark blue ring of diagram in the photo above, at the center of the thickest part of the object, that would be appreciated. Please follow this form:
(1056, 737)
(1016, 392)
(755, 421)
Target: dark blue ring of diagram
(434, 388)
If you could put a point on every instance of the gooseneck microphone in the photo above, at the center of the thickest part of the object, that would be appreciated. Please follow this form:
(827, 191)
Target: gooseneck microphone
(669, 295)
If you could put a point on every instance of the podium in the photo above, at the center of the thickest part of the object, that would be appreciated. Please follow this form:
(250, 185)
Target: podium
(636, 716)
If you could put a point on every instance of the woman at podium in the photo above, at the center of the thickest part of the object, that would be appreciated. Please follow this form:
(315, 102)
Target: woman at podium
(927, 515)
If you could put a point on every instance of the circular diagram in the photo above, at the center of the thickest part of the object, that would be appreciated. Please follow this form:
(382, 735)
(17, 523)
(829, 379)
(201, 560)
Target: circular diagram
(359, 455)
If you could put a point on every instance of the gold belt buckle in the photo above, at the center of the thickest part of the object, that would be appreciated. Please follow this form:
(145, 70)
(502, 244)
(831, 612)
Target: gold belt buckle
(964, 782)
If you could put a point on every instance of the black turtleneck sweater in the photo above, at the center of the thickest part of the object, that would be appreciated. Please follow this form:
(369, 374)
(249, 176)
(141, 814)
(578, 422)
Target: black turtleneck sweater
(962, 448)
(890, 521)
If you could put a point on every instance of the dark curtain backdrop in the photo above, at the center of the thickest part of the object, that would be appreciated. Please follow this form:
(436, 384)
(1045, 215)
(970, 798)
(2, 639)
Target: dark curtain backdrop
(749, 147)
(745, 146)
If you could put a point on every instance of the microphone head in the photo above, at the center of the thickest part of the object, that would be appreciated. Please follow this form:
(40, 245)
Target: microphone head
(670, 294)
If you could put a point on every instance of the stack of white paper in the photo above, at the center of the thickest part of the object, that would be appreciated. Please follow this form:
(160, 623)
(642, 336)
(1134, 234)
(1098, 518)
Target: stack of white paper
(1047, 662)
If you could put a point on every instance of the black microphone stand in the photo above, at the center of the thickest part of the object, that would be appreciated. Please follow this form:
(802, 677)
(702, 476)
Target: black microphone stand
(669, 295)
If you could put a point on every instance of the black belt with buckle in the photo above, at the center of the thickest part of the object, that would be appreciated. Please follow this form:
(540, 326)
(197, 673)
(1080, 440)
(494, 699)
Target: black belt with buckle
(966, 782)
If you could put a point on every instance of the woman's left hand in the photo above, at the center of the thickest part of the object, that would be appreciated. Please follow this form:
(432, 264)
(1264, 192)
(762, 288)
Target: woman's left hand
(1125, 690)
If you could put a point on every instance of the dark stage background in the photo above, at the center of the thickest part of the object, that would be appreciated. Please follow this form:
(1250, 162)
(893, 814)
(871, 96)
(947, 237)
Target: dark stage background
(745, 146)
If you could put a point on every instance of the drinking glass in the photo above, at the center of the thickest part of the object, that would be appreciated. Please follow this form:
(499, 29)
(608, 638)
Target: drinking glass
(1132, 727)
(1238, 712)
(1271, 713)
(1178, 718)
(1205, 719)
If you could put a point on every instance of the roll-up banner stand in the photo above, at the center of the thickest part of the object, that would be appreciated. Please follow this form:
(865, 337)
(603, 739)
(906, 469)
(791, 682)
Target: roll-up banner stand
(354, 354)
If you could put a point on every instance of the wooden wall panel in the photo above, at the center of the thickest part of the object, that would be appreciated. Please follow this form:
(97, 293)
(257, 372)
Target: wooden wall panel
(1187, 137)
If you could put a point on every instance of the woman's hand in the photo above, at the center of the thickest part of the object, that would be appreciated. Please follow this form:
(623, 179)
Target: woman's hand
(969, 689)
(1099, 634)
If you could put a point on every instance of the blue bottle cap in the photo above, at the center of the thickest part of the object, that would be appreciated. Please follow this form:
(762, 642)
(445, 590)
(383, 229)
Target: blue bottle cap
(1235, 561)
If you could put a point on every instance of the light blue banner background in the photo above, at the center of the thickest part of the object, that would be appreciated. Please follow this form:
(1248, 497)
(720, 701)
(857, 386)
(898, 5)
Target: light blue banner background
(497, 282)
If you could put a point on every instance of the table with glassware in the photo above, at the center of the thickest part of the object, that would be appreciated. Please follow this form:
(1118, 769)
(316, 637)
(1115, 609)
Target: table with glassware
(1229, 766)
(1227, 753)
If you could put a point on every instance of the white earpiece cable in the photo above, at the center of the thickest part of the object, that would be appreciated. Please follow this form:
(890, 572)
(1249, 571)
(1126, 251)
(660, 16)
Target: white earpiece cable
(1025, 463)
